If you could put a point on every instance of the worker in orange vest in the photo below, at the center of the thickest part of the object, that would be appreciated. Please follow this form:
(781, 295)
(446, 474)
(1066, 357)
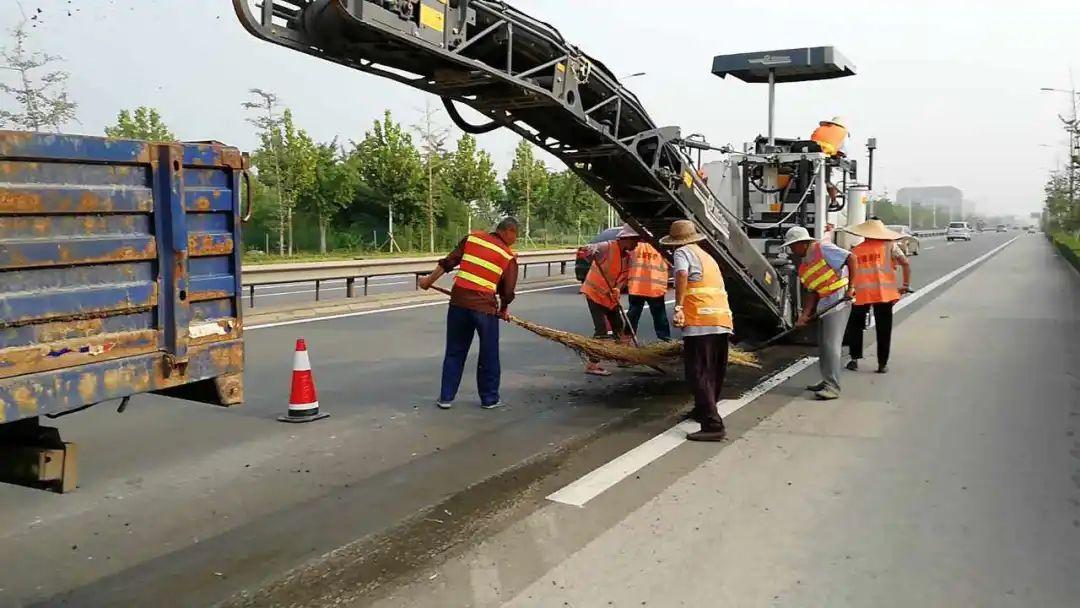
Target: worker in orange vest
(648, 284)
(483, 289)
(703, 314)
(825, 272)
(876, 288)
(609, 269)
(831, 136)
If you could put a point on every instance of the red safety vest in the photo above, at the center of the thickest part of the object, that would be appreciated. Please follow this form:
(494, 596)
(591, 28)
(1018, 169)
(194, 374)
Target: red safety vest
(705, 303)
(830, 138)
(483, 263)
(596, 286)
(816, 274)
(648, 275)
(875, 275)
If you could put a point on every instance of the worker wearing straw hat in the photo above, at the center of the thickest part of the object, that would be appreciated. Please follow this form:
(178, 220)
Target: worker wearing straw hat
(824, 271)
(876, 288)
(703, 314)
(609, 267)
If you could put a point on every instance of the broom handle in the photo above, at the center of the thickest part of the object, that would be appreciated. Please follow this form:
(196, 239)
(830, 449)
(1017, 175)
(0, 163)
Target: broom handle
(786, 332)
(618, 305)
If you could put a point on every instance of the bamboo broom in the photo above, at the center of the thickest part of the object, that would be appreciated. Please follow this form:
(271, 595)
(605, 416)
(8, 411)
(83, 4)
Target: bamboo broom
(651, 355)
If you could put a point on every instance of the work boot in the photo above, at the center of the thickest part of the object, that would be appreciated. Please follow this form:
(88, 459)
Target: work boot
(594, 369)
(813, 388)
(827, 394)
(852, 365)
(708, 435)
(883, 368)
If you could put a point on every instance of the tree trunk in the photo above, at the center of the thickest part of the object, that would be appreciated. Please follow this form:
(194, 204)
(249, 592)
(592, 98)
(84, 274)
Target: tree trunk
(431, 208)
(322, 235)
(290, 233)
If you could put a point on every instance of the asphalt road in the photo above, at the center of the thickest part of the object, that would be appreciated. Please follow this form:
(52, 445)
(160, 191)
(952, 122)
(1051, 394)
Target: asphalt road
(186, 501)
(952, 481)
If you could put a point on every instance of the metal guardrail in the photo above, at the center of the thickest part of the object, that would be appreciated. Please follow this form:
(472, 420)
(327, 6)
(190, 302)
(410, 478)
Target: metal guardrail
(922, 233)
(352, 271)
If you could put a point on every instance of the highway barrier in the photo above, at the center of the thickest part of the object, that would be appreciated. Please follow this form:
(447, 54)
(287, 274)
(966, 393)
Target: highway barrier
(363, 271)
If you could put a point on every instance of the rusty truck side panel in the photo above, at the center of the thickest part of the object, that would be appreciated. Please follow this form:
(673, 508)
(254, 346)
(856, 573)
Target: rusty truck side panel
(119, 272)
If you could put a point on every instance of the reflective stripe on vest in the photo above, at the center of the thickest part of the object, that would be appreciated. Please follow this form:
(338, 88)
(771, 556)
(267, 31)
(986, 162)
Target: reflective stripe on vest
(830, 138)
(875, 274)
(483, 262)
(648, 275)
(705, 303)
(596, 287)
(816, 274)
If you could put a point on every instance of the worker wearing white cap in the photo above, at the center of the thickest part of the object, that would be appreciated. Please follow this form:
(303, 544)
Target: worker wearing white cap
(609, 268)
(831, 135)
(824, 271)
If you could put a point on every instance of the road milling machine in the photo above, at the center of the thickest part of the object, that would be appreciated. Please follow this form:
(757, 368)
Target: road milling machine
(519, 73)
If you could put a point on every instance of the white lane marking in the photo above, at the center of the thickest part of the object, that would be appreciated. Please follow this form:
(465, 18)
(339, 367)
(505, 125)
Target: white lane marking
(595, 483)
(580, 492)
(931, 248)
(364, 313)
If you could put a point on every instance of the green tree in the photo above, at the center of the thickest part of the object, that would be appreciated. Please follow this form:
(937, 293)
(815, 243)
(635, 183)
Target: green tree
(433, 156)
(389, 164)
(334, 186)
(285, 159)
(525, 182)
(43, 98)
(143, 123)
(471, 179)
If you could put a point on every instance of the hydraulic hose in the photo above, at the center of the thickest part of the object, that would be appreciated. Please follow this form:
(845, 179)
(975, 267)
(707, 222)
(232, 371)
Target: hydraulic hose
(461, 123)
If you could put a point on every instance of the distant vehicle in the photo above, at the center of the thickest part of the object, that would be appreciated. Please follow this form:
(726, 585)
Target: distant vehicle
(958, 231)
(581, 264)
(1031, 229)
(1001, 228)
(910, 243)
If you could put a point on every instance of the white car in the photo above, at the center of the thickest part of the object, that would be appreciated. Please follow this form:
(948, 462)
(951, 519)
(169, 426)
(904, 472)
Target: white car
(958, 231)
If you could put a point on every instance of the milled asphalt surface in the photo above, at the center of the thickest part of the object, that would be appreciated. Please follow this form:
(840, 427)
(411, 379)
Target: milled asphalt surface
(952, 481)
(185, 501)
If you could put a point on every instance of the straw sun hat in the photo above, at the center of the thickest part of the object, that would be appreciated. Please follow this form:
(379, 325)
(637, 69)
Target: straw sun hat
(682, 232)
(874, 229)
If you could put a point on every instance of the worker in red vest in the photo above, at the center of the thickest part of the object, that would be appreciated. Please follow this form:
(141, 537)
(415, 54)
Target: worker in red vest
(648, 284)
(876, 288)
(609, 270)
(831, 136)
(483, 289)
(824, 272)
(703, 313)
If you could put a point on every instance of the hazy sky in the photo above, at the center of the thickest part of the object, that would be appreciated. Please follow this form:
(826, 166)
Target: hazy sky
(950, 88)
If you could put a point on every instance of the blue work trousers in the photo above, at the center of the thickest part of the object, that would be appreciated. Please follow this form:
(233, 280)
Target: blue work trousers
(461, 324)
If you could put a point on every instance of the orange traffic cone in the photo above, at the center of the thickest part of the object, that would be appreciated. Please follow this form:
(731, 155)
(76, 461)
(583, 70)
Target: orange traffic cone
(303, 402)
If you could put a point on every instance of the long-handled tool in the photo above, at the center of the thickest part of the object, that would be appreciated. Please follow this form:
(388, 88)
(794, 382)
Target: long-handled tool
(618, 305)
(788, 332)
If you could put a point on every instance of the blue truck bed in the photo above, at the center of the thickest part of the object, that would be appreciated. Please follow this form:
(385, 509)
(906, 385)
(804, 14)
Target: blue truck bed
(119, 272)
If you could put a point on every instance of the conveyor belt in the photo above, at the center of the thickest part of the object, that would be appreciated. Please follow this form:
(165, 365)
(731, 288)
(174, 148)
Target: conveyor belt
(520, 73)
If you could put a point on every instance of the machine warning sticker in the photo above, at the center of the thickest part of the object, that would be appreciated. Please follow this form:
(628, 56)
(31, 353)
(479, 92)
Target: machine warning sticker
(768, 279)
(431, 17)
(688, 179)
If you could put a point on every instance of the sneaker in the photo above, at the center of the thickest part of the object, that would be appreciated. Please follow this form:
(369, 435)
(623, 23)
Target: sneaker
(813, 388)
(444, 405)
(827, 394)
(493, 406)
(883, 369)
(704, 435)
(594, 369)
(852, 365)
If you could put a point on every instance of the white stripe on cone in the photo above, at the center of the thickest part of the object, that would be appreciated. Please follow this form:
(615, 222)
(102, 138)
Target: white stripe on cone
(301, 361)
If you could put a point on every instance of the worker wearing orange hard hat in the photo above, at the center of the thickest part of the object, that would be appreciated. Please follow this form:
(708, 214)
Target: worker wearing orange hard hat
(831, 135)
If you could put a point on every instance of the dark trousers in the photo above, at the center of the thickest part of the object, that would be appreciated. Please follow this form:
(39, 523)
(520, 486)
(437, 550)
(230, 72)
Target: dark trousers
(657, 309)
(606, 321)
(883, 314)
(706, 359)
(461, 324)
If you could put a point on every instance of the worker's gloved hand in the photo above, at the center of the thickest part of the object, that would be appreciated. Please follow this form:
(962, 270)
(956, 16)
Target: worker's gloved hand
(680, 318)
(803, 320)
(615, 295)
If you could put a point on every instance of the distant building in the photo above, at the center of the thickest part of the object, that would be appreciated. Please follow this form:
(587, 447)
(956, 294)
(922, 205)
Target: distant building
(948, 200)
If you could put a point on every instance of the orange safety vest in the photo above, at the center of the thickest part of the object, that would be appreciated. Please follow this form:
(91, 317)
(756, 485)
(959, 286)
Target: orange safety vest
(830, 138)
(596, 287)
(875, 275)
(816, 274)
(483, 262)
(648, 276)
(705, 303)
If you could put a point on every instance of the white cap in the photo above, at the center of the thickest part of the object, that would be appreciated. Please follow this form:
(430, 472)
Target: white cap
(797, 234)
